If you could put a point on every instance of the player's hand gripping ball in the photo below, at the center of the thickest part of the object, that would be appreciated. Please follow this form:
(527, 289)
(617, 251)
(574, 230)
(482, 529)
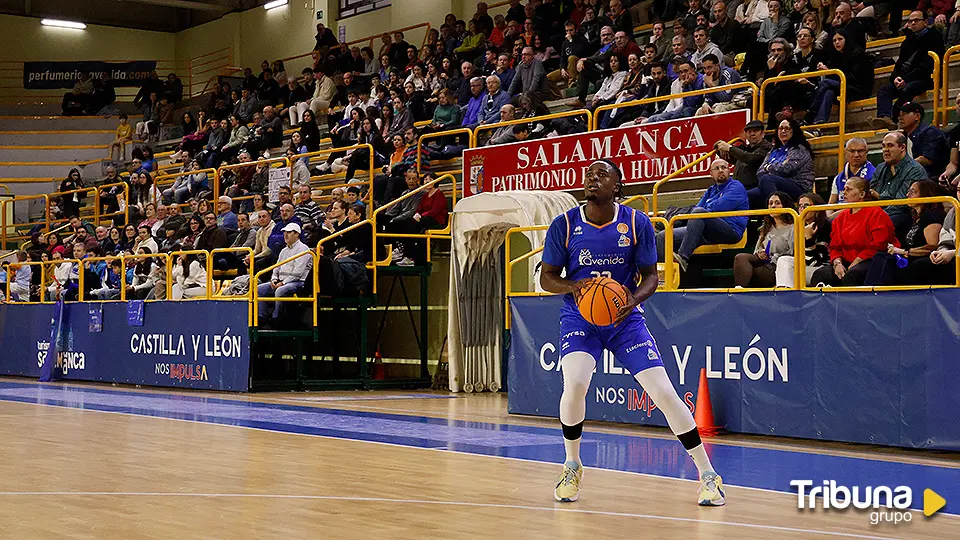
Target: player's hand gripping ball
(601, 300)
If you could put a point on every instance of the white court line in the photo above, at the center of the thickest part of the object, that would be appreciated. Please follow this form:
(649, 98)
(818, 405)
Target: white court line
(432, 449)
(433, 502)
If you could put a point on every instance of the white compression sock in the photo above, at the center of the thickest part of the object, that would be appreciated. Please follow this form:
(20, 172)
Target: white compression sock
(658, 386)
(577, 372)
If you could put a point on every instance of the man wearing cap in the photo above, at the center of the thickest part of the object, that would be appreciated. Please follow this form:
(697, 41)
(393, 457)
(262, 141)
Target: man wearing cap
(287, 278)
(226, 219)
(928, 146)
(748, 156)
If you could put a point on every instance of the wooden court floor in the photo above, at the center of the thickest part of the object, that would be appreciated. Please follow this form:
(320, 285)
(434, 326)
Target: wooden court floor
(69, 470)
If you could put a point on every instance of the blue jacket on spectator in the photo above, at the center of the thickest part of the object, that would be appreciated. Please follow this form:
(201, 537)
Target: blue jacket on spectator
(490, 110)
(694, 102)
(727, 197)
(471, 116)
(727, 76)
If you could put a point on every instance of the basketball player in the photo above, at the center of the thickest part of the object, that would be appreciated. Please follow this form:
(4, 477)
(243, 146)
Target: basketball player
(605, 239)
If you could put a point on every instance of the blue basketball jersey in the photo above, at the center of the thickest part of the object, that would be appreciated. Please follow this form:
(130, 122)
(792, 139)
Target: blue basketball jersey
(616, 250)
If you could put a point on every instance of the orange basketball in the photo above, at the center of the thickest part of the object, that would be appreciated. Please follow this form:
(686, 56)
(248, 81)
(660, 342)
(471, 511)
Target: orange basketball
(601, 301)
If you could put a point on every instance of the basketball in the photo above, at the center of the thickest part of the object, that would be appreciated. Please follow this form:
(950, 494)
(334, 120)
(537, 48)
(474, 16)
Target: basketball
(601, 301)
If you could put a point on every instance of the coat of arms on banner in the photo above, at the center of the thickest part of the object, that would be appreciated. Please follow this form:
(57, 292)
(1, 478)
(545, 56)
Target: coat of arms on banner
(476, 175)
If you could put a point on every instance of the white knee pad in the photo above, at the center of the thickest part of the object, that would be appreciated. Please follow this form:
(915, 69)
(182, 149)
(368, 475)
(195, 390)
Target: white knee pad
(577, 370)
(658, 386)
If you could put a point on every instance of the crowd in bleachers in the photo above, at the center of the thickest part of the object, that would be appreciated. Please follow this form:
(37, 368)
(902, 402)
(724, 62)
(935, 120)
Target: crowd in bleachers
(495, 69)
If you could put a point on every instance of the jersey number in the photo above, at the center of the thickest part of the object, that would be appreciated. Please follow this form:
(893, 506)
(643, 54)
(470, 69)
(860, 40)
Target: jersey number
(605, 273)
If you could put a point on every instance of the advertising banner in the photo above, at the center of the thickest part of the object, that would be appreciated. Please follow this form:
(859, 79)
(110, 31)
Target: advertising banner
(646, 153)
(201, 345)
(865, 368)
(50, 75)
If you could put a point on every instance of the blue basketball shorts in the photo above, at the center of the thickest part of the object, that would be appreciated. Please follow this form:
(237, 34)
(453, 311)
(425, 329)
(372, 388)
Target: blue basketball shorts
(630, 341)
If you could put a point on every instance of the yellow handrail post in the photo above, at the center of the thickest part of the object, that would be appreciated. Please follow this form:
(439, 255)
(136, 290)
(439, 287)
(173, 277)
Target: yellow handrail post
(936, 88)
(644, 101)
(439, 134)
(668, 244)
(841, 124)
(420, 189)
(800, 261)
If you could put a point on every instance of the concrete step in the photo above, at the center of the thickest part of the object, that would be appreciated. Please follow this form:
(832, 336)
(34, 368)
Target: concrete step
(56, 123)
(31, 138)
(12, 153)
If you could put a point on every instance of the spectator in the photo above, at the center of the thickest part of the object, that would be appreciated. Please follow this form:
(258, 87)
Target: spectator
(210, 155)
(624, 45)
(725, 32)
(124, 136)
(928, 146)
(472, 43)
(921, 240)
(856, 165)
(493, 101)
(151, 117)
(71, 202)
(940, 267)
(461, 83)
(323, 95)
(715, 74)
(705, 48)
(77, 100)
(894, 177)
(749, 156)
(573, 48)
(953, 29)
(398, 50)
(226, 219)
(238, 137)
(290, 97)
(61, 274)
(145, 239)
(690, 81)
(857, 235)
(816, 234)
(471, 114)
(262, 254)
(620, 19)
(611, 85)
(212, 237)
(111, 282)
(310, 131)
(788, 167)
(758, 269)
(447, 114)
(854, 63)
(590, 69)
(307, 210)
(659, 85)
(267, 134)
(660, 40)
(790, 98)
(108, 195)
(912, 73)
(20, 284)
(91, 275)
(245, 238)
(141, 194)
(194, 229)
(856, 27)
(504, 134)
(325, 39)
(286, 216)
(395, 217)
(531, 77)
(247, 107)
(190, 278)
(813, 23)
(725, 195)
(352, 197)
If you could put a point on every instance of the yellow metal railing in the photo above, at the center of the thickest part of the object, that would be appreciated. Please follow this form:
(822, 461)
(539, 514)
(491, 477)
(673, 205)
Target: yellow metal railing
(326, 153)
(164, 257)
(532, 120)
(248, 252)
(277, 162)
(452, 132)
(166, 180)
(678, 172)
(945, 106)
(510, 262)
(937, 111)
(800, 264)
(668, 249)
(657, 99)
(208, 266)
(6, 217)
(841, 124)
(11, 278)
(439, 233)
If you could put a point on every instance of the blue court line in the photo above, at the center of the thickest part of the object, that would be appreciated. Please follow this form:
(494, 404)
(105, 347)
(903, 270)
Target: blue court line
(762, 468)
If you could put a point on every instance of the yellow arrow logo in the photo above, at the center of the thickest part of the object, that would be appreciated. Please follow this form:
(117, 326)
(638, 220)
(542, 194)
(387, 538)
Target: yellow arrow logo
(932, 502)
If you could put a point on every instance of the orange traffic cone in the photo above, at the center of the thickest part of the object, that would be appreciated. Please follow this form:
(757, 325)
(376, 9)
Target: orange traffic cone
(704, 413)
(378, 371)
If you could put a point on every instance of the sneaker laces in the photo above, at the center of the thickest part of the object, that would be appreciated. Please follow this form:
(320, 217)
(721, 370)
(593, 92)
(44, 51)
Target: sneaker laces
(568, 476)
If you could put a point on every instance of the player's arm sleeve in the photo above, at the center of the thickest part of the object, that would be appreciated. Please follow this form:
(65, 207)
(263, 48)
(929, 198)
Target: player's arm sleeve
(646, 252)
(555, 247)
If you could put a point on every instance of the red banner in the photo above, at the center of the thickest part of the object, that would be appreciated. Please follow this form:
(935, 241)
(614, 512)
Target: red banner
(645, 153)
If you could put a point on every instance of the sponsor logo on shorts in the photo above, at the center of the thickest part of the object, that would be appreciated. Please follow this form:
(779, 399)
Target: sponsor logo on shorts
(646, 343)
